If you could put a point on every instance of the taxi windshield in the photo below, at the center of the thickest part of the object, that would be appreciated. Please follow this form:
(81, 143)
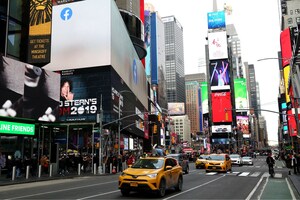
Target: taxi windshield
(148, 164)
(216, 157)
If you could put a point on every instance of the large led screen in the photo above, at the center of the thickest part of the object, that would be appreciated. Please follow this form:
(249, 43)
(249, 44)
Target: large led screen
(240, 93)
(28, 91)
(219, 74)
(286, 76)
(242, 123)
(176, 108)
(221, 107)
(220, 141)
(79, 94)
(217, 44)
(221, 129)
(216, 20)
(204, 97)
(291, 123)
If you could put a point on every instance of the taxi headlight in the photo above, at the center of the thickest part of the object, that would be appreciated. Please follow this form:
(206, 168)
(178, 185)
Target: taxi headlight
(222, 163)
(151, 175)
(123, 174)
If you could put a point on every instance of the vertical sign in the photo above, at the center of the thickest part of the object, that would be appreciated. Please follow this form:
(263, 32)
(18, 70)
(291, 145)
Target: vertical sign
(39, 41)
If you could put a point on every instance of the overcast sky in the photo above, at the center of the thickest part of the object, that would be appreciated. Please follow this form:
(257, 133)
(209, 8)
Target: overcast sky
(257, 23)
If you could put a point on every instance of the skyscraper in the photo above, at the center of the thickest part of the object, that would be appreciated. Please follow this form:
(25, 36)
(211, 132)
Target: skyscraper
(175, 80)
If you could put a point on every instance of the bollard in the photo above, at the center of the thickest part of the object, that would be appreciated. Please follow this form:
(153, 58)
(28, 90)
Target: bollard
(13, 176)
(40, 171)
(27, 171)
(110, 168)
(51, 169)
(95, 169)
(79, 169)
(103, 168)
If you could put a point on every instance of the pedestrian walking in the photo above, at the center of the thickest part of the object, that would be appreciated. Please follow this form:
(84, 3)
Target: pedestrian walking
(294, 163)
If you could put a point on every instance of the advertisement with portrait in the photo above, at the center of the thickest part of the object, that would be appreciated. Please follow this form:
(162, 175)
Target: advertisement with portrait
(242, 123)
(219, 74)
(176, 108)
(221, 107)
(217, 45)
(240, 93)
(27, 91)
(79, 99)
(204, 97)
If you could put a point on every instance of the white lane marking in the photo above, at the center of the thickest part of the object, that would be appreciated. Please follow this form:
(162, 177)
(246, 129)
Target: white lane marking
(290, 188)
(278, 175)
(244, 174)
(255, 188)
(62, 190)
(211, 173)
(97, 195)
(255, 174)
(183, 192)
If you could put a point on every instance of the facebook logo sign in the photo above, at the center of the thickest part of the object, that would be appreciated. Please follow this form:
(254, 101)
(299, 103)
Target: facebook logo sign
(66, 14)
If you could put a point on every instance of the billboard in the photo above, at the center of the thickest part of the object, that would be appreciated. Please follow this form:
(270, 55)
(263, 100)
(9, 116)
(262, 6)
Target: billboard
(242, 123)
(221, 129)
(176, 108)
(240, 93)
(39, 37)
(286, 47)
(219, 74)
(204, 97)
(291, 123)
(221, 107)
(217, 45)
(286, 76)
(220, 141)
(78, 98)
(28, 91)
(216, 20)
(147, 25)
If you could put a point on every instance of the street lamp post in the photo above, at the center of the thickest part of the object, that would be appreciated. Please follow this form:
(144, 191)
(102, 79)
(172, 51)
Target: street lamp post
(119, 120)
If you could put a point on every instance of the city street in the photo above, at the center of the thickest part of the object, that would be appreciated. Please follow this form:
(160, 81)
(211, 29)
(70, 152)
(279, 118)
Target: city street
(245, 182)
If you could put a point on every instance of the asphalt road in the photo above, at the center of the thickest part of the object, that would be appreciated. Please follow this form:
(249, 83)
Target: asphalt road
(245, 182)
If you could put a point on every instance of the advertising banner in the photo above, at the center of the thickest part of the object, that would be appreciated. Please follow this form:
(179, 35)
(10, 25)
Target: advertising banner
(204, 97)
(27, 91)
(220, 141)
(219, 74)
(176, 108)
(286, 47)
(217, 44)
(242, 123)
(147, 25)
(291, 123)
(39, 38)
(221, 107)
(78, 98)
(221, 129)
(216, 20)
(286, 75)
(240, 94)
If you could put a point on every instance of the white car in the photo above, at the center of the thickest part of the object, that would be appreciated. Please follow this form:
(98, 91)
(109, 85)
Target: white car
(236, 159)
(247, 160)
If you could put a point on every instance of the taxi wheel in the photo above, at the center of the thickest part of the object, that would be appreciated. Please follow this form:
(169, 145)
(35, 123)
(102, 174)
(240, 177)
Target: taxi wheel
(125, 192)
(179, 184)
(162, 188)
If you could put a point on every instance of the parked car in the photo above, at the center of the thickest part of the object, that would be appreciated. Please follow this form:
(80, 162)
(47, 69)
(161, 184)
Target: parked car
(247, 160)
(218, 163)
(156, 174)
(200, 162)
(236, 159)
(182, 160)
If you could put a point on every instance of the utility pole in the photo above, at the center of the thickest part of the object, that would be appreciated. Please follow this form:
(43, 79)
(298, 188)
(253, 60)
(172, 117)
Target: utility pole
(99, 120)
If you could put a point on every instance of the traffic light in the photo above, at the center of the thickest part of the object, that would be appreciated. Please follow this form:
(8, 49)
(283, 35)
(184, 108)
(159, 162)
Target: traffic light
(154, 129)
(159, 117)
(135, 143)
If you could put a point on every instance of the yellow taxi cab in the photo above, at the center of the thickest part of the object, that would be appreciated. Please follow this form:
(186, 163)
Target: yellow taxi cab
(200, 162)
(218, 163)
(153, 174)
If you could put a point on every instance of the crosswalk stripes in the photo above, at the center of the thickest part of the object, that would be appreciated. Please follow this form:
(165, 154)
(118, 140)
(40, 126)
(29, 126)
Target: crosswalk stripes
(244, 174)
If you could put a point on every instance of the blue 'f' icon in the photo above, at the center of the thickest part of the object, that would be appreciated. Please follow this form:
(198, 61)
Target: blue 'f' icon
(66, 14)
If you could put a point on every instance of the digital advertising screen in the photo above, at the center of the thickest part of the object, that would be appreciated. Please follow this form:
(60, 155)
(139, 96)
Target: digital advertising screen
(176, 108)
(204, 97)
(240, 93)
(217, 44)
(286, 75)
(216, 20)
(221, 129)
(220, 141)
(221, 107)
(242, 123)
(219, 74)
(28, 91)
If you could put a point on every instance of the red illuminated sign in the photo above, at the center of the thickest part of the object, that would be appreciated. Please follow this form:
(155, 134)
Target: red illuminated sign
(221, 107)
